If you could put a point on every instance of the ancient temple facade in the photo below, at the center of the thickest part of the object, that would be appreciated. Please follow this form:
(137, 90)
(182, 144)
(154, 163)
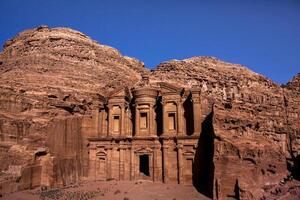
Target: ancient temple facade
(147, 132)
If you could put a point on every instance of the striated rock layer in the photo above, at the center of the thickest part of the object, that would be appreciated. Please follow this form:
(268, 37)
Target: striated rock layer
(255, 124)
(50, 79)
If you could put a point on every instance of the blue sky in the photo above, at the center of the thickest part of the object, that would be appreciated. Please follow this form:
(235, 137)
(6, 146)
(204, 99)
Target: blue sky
(263, 35)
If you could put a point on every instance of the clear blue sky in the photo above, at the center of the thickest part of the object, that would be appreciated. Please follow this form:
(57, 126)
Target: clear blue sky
(263, 35)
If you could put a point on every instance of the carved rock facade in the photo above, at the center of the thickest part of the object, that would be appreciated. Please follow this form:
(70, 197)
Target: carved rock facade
(144, 133)
(72, 109)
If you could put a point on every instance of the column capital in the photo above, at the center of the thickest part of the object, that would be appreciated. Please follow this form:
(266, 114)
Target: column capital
(157, 147)
(179, 146)
(122, 147)
(152, 104)
(109, 148)
(93, 147)
(195, 90)
(109, 106)
(163, 102)
(196, 100)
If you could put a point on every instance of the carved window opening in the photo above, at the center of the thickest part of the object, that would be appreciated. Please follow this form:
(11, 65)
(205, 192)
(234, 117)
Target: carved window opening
(144, 165)
(116, 123)
(172, 121)
(144, 120)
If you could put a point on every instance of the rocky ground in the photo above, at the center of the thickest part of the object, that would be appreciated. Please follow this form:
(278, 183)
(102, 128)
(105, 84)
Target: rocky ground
(112, 190)
(289, 190)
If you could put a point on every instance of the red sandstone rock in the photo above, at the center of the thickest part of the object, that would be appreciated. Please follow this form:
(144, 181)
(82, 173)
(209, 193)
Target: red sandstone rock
(253, 122)
(47, 75)
(50, 79)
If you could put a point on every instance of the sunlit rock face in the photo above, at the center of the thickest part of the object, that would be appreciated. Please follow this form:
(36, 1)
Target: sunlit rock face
(53, 79)
(255, 124)
(49, 78)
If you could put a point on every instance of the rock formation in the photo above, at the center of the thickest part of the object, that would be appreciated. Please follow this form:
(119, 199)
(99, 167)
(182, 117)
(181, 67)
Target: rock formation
(51, 79)
(48, 79)
(255, 123)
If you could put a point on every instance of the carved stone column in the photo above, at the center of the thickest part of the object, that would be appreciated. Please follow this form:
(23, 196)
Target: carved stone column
(121, 161)
(150, 120)
(152, 128)
(92, 160)
(100, 119)
(104, 123)
(165, 148)
(122, 133)
(154, 165)
(183, 120)
(197, 118)
(114, 159)
(180, 118)
(101, 122)
(129, 122)
(109, 167)
(164, 113)
(95, 115)
(109, 127)
(137, 121)
(156, 162)
(197, 111)
(126, 122)
(132, 167)
(180, 167)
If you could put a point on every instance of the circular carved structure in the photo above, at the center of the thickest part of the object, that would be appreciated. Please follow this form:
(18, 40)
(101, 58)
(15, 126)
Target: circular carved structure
(145, 94)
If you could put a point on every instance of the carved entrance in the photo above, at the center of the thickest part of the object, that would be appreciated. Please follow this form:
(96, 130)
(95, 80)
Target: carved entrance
(144, 165)
(101, 166)
(188, 167)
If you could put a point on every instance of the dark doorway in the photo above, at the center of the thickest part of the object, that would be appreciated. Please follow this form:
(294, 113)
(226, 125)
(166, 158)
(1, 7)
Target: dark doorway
(159, 119)
(144, 165)
(189, 115)
(203, 166)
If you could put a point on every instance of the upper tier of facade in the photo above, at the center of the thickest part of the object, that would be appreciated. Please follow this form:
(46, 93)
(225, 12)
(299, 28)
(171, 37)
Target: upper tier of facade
(145, 111)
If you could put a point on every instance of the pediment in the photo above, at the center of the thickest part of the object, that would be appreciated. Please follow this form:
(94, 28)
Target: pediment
(144, 150)
(169, 88)
(120, 92)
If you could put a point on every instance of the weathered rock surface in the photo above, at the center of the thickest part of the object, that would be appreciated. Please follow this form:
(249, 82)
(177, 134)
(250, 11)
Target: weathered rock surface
(48, 79)
(255, 123)
(51, 78)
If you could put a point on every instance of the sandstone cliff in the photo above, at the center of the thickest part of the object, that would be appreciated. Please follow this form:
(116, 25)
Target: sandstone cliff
(51, 77)
(255, 124)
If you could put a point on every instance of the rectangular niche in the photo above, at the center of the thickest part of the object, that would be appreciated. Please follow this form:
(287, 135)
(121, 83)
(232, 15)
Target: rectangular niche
(188, 171)
(171, 121)
(143, 120)
(116, 123)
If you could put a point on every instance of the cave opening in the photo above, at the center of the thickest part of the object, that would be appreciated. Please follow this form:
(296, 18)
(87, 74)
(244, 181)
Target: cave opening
(294, 167)
(203, 166)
